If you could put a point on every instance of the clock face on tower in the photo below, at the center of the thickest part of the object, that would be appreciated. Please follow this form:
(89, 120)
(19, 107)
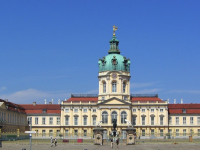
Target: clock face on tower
(114, 75)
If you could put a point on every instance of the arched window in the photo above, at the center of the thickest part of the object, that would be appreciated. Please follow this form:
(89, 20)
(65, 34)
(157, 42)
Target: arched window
(104, 87)
(123, 117)
(114, 116)
(105, 117)
(114, 86)
(124, 87)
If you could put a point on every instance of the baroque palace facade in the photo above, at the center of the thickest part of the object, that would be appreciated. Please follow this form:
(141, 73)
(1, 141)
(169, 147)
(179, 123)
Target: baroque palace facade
(80, 114)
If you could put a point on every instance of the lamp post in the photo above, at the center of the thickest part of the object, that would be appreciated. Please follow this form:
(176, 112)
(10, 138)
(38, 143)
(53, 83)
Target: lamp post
(30, 122)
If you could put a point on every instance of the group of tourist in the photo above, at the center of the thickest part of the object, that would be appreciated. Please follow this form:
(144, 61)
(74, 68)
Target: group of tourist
(53, 141)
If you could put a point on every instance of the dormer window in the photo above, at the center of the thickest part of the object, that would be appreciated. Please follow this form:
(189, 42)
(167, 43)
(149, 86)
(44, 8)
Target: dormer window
(184, 111)
(44, 110)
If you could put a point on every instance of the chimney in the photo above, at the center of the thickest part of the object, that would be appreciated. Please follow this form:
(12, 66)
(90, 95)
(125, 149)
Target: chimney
(65, 99)
(168, 101)
(45, 101)
(174, 101)
(6, 100)
(34, 103)
(59, 101)
(50, 102)
(181, 101)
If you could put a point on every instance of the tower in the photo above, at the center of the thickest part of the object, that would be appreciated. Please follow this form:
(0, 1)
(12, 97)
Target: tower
(114, 73)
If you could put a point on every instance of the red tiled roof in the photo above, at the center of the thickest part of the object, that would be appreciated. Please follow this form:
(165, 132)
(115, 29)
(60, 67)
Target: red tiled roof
(145, 99)
(184, 106)
(41, 111)
(41, 106)
(82, 99)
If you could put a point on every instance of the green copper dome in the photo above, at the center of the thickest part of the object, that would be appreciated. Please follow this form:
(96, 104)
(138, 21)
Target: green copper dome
(114, 61)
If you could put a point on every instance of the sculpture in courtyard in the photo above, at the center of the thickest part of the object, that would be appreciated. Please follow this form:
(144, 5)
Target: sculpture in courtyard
(114, 127)
(99, 124)
(129, 123)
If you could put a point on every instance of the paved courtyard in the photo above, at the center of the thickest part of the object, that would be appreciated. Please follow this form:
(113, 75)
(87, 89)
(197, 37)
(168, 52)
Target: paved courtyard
(189, 146)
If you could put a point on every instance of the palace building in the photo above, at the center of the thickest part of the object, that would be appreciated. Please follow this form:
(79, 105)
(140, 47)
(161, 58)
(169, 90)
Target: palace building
(81, 113)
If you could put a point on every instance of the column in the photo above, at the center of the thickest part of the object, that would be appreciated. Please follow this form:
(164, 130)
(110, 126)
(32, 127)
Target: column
(118, 117)
(89, 117)
(71, 117)
(148, 116)
(139, 117)
(109, 117)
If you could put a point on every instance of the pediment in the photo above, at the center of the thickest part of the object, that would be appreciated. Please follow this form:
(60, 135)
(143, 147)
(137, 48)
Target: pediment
(114, 101)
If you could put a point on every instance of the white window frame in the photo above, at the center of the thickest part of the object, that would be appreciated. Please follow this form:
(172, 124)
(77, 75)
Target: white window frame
(114, 86)
(124, 87)
(104, 87)
(184, 120)
(75, 110)
(94, 110)
(84, 121)
(66, 120)
(143, 121)
(184, 132)
(161, 120)
(50, 120)
(191, 120)
(85, 110)
(177, 132)
(152, 110)
(43, 120)
(198, 120)
(143, 132)
(58, 120)
(75, 121)
(94, 121)
(67, 110)
(134, 110)
(177, 120)
(143, 110)
(152, 121)
(170, 120)
(161, 110)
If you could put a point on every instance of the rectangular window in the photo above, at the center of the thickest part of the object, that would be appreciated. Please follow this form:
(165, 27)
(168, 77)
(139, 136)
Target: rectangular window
(184, 132)
(152, 110)
(76, 110)
(143, 120)
(66, 132)
(43, 120)
(134, 110)
(170, 132)
(43, 133)
(152, 120)
(67, 110)
(191, 120)
(105, 135)
(51, 120)
(161, 120)
(125, 97)
(123, 134)
(152, 132)
(161, 110)
(134, 120)
(58, 121)
(84, 132)
(84, 120)
(84, 110)
(76, 132)
(50, 133)
(177, 132)
(143, 132)
(66, 120)
(57, 132)
(198, 120)
(143, 110)
(94, 121)
(184, 120)
(75, 120)
(103, 97)
(170, 120)
(177, 120)
(36, 120)
(94, 110)
(198, 132)
(161, 132)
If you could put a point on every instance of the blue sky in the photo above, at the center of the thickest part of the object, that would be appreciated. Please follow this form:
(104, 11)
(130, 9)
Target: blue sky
(50, 49)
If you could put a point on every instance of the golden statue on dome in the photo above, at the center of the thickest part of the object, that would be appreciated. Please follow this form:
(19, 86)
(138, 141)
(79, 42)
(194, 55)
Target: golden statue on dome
(114, 29)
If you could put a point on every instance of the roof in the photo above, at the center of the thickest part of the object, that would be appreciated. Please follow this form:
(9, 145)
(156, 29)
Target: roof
(13, 107)
(178, 108)
(82, 99)
(150, 99)
(38, 108)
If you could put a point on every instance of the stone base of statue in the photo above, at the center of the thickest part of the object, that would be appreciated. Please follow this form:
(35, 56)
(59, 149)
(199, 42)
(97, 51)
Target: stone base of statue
(130, 139)
(98, 136)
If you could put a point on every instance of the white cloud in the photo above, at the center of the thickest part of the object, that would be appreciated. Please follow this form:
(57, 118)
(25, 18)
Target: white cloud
(146, 91)
(3, 88)
(139, 85)
(95, 91)
(186, 91)
(30, 95)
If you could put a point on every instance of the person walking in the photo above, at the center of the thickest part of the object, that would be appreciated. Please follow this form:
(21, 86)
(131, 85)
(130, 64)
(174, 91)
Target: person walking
(51, 142)
(55, 142)
(117, 142)
(111, 143)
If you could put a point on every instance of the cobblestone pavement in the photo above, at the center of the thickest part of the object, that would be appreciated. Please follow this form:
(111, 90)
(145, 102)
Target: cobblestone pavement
(155, 146)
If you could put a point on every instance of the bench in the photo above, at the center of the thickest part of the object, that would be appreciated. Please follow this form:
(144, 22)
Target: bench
(65, 140)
